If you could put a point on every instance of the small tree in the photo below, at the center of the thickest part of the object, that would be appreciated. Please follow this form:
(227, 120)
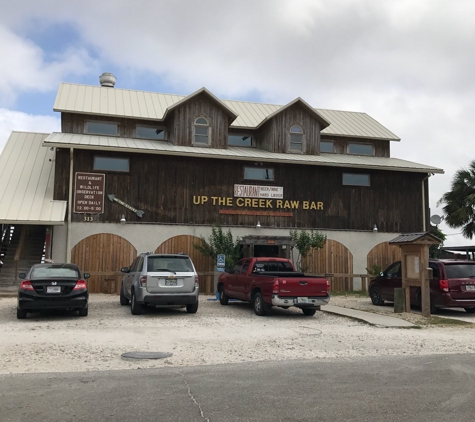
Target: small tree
(220, 242)
(306, 241)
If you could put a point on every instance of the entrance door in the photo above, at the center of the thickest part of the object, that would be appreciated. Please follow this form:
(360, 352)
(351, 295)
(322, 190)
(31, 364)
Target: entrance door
(269, 251)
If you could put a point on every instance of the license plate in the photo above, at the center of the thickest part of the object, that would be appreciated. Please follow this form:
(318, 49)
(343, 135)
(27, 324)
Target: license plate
(302, 300)
(170, 282)
(53, 289)
(470, 287)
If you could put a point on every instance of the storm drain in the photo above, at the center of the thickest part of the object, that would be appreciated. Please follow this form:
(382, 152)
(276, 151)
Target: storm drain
(146, 355)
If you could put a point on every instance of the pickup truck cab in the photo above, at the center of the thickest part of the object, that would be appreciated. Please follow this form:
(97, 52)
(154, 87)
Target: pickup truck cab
(267, 282)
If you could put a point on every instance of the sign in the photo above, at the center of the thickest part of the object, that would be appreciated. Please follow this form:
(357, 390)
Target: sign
(89, 193)
(252, 191)
(220, 269)
(221, 261)
(129, 207)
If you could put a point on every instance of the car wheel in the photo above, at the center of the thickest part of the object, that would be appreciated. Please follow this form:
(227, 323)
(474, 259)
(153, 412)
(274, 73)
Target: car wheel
(309, 311)
(123, 299)
(433, 308)
(83, 311)
(470, 310)
(21, 313)
(375, 295)
(259, 305)
(135, 308)
(191, 309)
(223, 297)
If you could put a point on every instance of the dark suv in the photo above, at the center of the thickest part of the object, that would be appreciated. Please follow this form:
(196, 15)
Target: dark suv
(452, 285)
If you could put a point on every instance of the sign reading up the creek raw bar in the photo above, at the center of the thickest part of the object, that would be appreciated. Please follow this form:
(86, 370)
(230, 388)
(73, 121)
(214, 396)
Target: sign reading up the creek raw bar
(251, 191)
(89, 193)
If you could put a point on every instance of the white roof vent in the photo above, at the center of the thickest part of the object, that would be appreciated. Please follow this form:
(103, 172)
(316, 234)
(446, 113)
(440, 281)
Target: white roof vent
(107, 79)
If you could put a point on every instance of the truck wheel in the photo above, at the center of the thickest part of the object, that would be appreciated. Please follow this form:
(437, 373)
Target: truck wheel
(309, 311)
(259, 305)
(375, 295)
(135, 308)
(223, 297)
(123, 299)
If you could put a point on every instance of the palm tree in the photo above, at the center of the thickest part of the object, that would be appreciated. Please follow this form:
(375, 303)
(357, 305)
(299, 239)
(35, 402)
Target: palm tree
(459, 203)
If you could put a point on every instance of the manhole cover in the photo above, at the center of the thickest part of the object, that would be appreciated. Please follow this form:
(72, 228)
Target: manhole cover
(146, 355)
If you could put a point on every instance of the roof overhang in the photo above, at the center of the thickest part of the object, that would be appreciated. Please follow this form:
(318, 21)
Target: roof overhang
(130, 145)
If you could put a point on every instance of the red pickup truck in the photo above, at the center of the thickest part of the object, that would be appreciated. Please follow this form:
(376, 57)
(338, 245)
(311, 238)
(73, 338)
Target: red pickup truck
(268, 282)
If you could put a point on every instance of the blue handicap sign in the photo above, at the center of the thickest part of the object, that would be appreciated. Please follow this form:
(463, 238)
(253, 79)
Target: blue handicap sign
(220, 260)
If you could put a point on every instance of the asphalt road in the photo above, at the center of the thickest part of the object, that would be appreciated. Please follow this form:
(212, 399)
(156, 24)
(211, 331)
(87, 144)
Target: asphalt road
(417, 389)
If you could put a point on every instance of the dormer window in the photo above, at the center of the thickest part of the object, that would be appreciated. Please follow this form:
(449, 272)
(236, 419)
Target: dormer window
(296, 143)
(201, 131)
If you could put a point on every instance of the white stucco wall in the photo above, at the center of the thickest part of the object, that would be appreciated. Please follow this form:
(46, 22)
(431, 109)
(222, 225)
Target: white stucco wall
(147, 237)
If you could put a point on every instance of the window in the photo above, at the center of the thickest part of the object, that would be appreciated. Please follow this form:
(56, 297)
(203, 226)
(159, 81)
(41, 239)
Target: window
(356, 179)
(111, 163)
(360, 149)
(258, 173)
(296, 138)
(240, 140)
(149, 132)
(327, 146)
(201, 131)
(102, 128)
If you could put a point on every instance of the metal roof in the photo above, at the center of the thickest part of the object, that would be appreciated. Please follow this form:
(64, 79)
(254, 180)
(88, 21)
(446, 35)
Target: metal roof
(112, 143)
(416, 238)
(106, 101)
(27, 181)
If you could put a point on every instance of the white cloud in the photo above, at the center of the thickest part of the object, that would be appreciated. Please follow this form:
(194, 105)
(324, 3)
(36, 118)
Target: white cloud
(18, 121)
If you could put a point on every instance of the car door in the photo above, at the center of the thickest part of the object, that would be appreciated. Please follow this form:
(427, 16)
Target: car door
(128, 278)
(392, 279)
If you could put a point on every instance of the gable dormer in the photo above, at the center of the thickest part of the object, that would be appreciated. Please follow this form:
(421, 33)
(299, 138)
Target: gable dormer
(294, 129)
(199, 120)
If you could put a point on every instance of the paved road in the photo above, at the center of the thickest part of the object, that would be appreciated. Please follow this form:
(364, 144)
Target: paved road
(416, 389)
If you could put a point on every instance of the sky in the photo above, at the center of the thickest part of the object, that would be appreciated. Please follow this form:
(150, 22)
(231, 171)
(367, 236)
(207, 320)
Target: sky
(409, 64)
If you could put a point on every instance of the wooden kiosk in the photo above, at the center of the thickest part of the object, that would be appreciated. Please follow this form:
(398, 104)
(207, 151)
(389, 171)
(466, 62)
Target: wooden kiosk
(415, 266)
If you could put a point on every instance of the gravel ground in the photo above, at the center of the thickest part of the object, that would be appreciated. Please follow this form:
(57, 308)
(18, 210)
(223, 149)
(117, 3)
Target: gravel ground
(57, 342)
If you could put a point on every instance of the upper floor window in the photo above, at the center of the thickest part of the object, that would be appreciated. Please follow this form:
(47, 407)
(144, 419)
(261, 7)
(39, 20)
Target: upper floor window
(296, 139)
(327, 146)
(240, 140)
(356, 179)
(111, 163)
(360, 149)
(201, 131)
(258, 173)
(150, 132)
(102, 128)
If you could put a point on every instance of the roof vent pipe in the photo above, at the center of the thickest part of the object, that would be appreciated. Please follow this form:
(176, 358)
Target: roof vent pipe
(107, 79)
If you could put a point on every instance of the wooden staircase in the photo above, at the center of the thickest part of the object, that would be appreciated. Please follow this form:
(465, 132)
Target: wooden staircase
(22, 246)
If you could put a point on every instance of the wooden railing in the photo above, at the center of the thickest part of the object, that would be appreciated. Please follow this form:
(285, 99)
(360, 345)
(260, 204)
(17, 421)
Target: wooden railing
(344, 282)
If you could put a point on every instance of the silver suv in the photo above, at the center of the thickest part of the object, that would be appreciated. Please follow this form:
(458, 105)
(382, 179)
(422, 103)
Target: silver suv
(160, 279)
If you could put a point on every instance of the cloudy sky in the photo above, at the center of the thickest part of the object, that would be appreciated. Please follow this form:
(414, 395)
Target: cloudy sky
(407, 63)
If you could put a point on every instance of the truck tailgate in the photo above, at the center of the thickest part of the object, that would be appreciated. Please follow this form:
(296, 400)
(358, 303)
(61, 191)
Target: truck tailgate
(302, 286)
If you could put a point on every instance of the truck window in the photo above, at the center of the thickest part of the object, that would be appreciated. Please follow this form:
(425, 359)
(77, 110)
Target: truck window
(245, 267)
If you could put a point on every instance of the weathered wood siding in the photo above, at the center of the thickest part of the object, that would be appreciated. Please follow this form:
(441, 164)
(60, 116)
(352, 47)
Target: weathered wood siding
(167, 188)
(275, 134)
(103, 255)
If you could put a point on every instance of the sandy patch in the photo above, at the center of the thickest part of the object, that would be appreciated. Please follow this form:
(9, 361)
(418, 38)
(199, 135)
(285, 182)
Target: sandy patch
(215, 334)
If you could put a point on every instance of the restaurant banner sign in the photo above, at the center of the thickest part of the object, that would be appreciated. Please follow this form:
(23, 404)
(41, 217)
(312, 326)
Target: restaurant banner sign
(252, 191)
(89, 193)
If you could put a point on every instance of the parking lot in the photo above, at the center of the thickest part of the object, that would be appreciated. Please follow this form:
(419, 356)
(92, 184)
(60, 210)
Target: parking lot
(55, 342)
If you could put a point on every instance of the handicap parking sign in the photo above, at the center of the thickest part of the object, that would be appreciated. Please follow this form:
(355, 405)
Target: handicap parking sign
(220, 260)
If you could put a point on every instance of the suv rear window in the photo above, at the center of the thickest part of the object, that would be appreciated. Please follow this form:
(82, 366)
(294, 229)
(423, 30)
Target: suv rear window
(460, 270)
(169, 263)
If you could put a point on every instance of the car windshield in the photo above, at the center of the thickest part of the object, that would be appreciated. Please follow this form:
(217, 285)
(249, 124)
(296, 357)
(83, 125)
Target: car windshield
(460, 270)
(169, 263)
(54, 272)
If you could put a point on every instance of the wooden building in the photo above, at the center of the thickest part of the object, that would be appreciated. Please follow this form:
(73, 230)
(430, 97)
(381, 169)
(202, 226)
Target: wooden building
(143, 171)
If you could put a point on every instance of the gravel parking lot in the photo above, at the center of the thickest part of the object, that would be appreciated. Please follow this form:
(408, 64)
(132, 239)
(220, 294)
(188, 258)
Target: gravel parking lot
(57, 342)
